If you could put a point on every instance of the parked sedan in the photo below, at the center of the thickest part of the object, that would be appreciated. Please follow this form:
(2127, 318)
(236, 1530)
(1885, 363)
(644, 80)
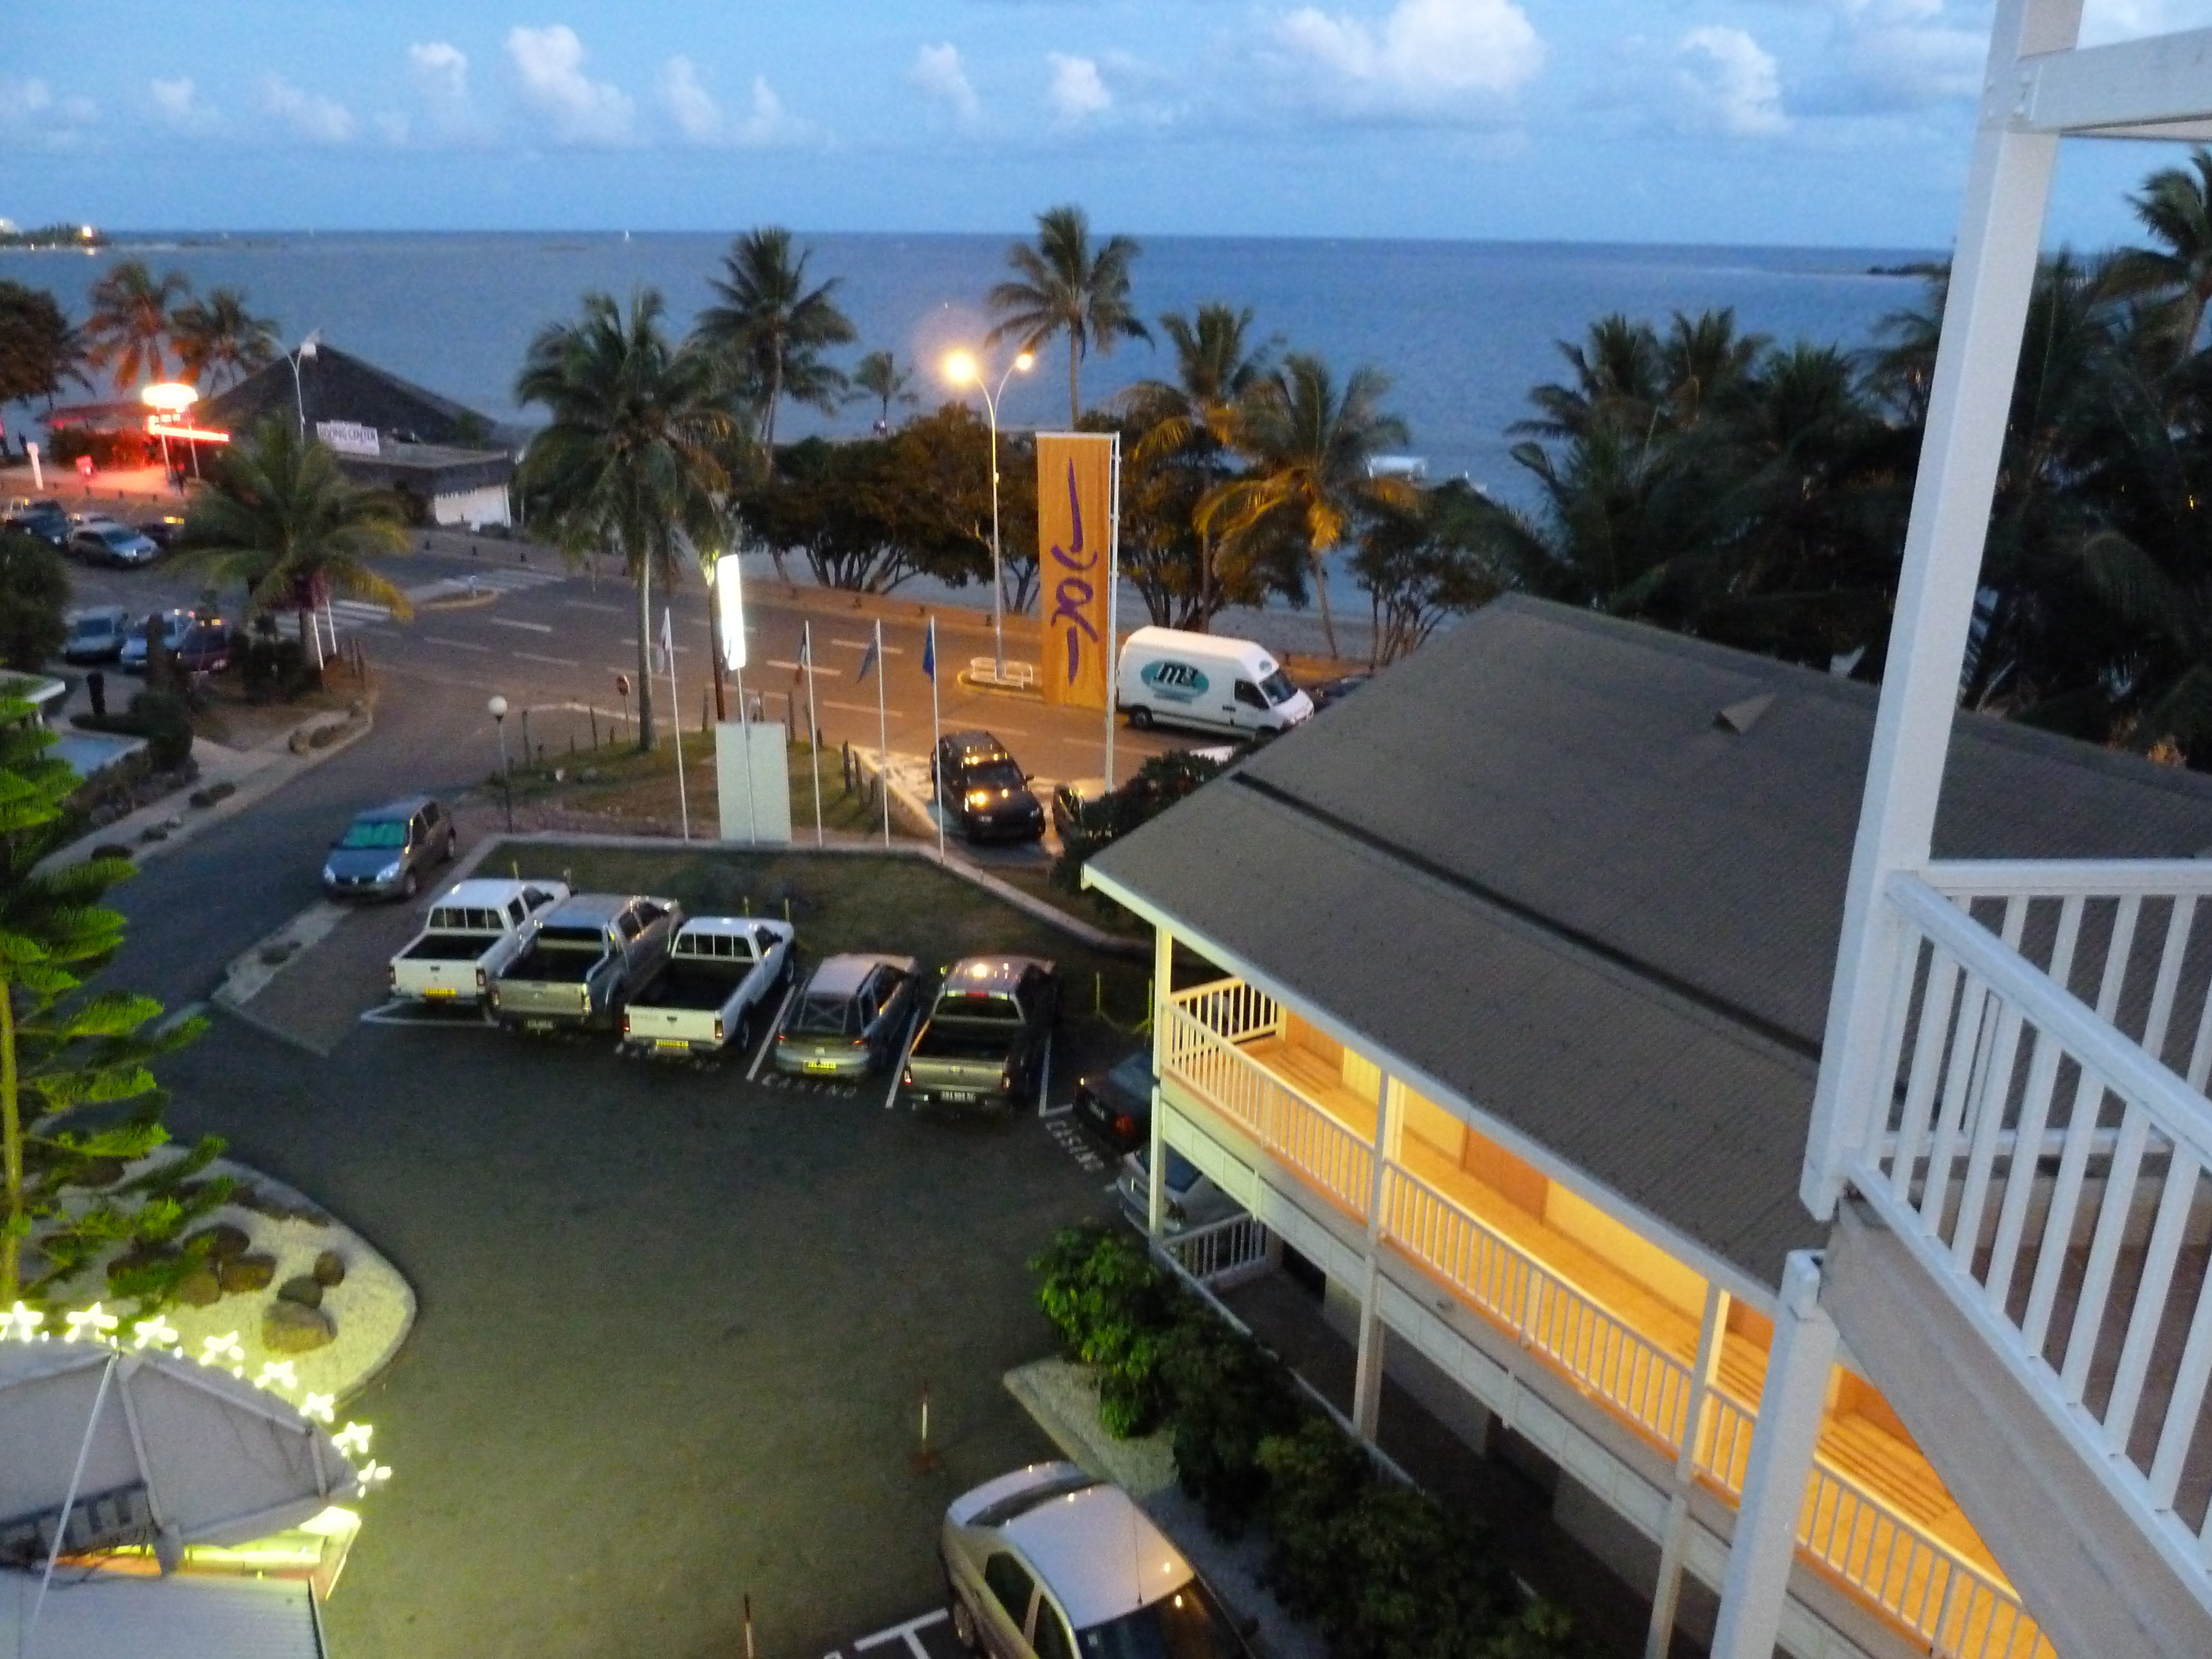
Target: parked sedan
(164, 530)
(385, 850)
(206, 646)
(982, 789)
(1116, 1105)
(1070, 800)
(1050, 1562)
(1192, 1200)
(109, 543)
(172, 623)
(851, 1019)
(44, 519)
(96, 634)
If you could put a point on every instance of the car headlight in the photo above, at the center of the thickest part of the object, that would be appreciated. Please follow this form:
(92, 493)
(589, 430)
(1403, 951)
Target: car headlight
(390, 873)
(329, 874)
(979, 798)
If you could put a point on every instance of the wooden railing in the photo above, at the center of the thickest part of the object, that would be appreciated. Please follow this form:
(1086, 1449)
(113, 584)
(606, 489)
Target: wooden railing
(1958, 1607)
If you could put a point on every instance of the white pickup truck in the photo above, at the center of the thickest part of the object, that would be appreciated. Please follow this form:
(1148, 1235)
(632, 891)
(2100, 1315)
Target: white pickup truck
(717, 989)
(475, 930)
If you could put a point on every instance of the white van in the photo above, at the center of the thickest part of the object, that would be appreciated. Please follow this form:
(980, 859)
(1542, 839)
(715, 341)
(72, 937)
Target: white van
(1205, 681)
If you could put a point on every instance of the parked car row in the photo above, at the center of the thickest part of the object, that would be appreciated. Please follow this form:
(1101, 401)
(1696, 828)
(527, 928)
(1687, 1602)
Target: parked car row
(201, 641)
(95, 536)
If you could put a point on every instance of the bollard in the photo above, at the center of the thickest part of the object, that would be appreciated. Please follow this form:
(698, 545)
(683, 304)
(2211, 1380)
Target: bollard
(749, 1624)
(924, 1456)
(595, 730)
(786, 909)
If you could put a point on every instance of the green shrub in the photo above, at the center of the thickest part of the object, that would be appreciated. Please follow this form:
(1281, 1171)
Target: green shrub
(1225, 1395)
(1114, 1310)
(274, 668)
(164, 719)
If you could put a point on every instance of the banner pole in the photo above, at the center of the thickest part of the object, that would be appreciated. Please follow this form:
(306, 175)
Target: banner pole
(813, 722)
(745, 737)
(1113, 599)
(936, 736)
(883, 737)
(676, 719)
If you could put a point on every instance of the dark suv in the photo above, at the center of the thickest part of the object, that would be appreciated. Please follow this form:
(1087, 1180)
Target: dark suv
(982, 790)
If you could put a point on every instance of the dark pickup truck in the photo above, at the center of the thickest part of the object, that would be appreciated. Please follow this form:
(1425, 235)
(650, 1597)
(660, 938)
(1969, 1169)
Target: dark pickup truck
(988, 1041)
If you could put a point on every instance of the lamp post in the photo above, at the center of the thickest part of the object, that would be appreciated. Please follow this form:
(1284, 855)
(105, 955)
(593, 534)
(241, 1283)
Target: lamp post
(961, 369)
(168, 401)
(307, 350)
(498, 707)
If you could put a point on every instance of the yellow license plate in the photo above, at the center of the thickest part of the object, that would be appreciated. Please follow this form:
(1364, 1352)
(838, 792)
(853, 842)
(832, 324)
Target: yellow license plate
(437, 991)
(821, 1065)
(665, 1044)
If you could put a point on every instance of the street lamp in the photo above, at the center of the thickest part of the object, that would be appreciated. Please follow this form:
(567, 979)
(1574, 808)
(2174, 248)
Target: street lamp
(168, 399)
(498, 707)
(961, 369)
(307, 350)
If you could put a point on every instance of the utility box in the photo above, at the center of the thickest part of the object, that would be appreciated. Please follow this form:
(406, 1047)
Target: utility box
(753, 781)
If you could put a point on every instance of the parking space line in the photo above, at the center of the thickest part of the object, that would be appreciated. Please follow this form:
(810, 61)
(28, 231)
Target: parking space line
(1045, 1108)
(512, 622)
(589, 604)
(775, 1026)
(909, 1633)
(391, 1014)
(458, 645)
(555, 662)
(906, 1051)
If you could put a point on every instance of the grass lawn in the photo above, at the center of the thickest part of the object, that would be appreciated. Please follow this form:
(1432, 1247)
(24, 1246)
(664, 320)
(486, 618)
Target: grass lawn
(846, 902)
(624, 786)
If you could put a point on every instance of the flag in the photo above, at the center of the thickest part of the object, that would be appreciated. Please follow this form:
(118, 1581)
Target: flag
(667, 643)
(867, 662)
(929, 650)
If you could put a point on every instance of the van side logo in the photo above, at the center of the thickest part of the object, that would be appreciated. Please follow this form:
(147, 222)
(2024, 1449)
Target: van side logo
(1174, 682)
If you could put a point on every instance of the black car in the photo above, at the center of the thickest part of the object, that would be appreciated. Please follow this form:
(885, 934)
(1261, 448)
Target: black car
(983, 792)
(44, 519)
(1116, 1105)
(163, 530)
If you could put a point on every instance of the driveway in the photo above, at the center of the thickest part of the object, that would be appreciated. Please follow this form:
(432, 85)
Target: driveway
(674, 1332)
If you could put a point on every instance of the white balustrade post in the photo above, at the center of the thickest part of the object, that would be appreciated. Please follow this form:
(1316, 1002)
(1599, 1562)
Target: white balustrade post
(1156, 1189)
(1999, 234)
(1367, 1374)
(1790, 1407)
(1666, 1596)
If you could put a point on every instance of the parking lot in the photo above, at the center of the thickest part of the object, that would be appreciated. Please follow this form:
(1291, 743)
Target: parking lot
(675, 1324)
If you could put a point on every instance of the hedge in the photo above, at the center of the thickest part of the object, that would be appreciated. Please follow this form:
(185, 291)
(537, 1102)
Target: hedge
(1382, 1570)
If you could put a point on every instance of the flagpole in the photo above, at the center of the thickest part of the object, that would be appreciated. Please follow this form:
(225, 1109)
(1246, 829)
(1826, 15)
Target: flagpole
(813, 721)
(1113, 599)
(676, 719)
(935, 736)
(883, 737)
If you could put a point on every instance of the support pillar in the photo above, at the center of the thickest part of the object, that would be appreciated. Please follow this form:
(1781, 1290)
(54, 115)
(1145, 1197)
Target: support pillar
(1666, 1596)
(1367, 1374)
(1155, 1189)
(1791, 1407)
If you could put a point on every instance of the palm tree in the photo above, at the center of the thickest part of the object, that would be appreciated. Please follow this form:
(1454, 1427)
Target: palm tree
(39, 347)
(775, 328)
(219, 341)
(632, 455)
(128, 331)
(880, 377)
(278, 516)
(1194, 420)
(2175, 206)
(1064, 288)
(1310, 450)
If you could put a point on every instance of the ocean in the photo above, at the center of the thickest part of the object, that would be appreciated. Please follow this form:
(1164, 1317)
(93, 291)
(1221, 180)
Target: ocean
(1463, 329)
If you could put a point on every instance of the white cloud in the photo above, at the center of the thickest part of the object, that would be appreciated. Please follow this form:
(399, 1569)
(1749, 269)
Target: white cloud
(1426, 58)
(1728, 82)
(32, 104)
(766, 124)
(441, 70)
(1076, 93)
(319, 120)
(943, 81)
(179, 105)
(581, 111)
(1900, 55)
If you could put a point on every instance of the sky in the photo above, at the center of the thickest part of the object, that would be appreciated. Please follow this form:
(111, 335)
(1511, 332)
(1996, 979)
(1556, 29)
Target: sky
(1839, 123)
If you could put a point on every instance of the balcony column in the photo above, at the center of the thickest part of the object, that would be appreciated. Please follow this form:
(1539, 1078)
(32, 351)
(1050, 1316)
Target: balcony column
(1155, 1189)
(1667, 1597)
(1969, 400)
(1790, 1407)
(1367, 1374)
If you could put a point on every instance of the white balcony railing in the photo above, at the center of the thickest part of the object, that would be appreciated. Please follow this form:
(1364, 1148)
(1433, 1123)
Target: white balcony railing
(2081, 1264)
(1848, 1530)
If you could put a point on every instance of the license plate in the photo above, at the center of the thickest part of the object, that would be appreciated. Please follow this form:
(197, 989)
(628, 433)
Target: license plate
(958, 1097)
(437, 990)
(536, 1024)
(668, 1046)
(821, 1065)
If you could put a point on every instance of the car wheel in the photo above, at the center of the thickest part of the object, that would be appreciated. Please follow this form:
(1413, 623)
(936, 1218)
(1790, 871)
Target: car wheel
(452, 847)
(1141, 718)
(744, 1040)
(964, 1623)
(410, 884)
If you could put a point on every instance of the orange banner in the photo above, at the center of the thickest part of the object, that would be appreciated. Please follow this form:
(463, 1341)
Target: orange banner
(1075, 488)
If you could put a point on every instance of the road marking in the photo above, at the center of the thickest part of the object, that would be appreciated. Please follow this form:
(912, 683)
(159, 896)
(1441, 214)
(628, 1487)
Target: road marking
(775, 1026)
(361, 613)
(395, 1012)
(864, 708)
(906, 1049)
(458, 645)
(557, 662)
(510, 622)
(1071, 1141)
(1044, 1085)
(909, 1633)
(591, 604)
(832, 673)
(633, 644)
(863, 645)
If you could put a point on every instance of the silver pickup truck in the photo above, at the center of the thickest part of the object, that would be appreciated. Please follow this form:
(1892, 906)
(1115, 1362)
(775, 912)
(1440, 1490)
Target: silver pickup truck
(583, 960)
(476, 928)
(717, 989)
(989, 1038)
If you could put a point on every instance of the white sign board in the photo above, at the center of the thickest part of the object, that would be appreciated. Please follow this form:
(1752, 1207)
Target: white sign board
(753, 790)
(347, 437)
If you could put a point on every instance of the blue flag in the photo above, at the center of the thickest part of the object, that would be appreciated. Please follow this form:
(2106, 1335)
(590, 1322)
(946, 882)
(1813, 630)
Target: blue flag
(867, 662)
(929, 650)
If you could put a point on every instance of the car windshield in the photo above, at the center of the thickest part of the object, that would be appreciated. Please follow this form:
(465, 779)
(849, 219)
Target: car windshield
(375, 833)
(1135, 1075)
(827, 1016)
(995, 775)
(1189, 1624)
(996, 1006)
(87, 627)
(116, 536)
(1277, 687)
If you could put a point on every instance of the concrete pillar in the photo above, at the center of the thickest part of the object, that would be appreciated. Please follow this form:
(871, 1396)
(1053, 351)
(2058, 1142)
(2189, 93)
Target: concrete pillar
(1367, 1375)
(1791, 1407)
(1666, 1596)
(1156, 1192)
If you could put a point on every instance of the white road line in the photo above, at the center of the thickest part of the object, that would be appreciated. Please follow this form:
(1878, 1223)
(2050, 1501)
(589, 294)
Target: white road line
(752, 1071)
(906, 1633)
(633, 644)
(556, 662)
(510, 621)
(458, 645)
(863, 708)
(862, 645)
(1044, 1085)
(906, 1046)
(826, 673)
(589, 604)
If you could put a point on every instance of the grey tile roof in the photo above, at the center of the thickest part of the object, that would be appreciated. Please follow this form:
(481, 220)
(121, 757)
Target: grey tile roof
(1527, 863)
